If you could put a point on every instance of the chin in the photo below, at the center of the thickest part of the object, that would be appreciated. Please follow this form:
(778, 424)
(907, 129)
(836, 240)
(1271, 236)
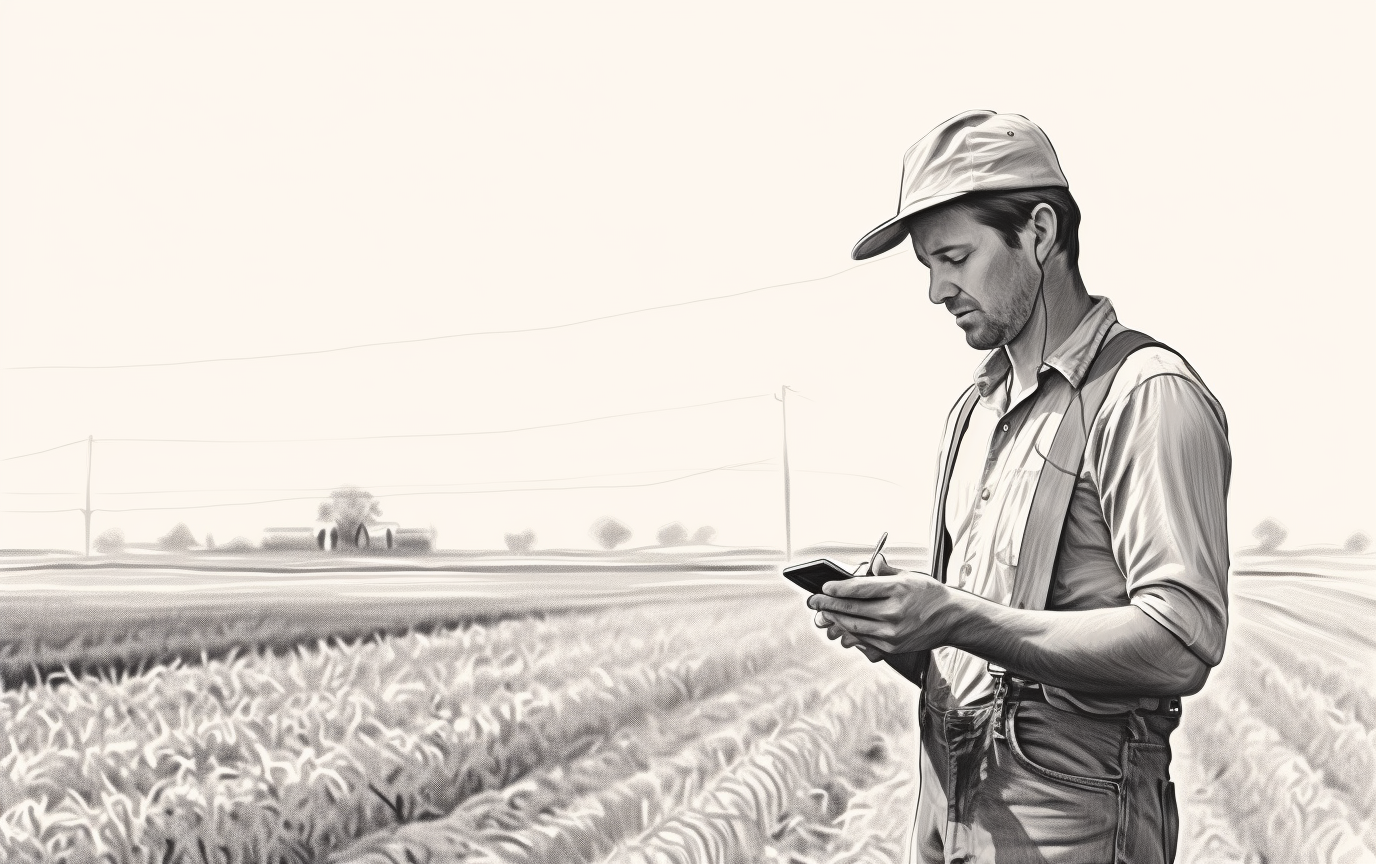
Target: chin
(981, 339)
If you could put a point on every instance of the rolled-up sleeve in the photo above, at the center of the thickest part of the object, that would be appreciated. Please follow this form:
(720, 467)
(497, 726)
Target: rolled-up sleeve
(1163, 465)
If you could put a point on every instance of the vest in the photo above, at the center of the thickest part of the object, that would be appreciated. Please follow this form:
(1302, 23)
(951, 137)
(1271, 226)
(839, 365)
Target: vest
(1051, 499)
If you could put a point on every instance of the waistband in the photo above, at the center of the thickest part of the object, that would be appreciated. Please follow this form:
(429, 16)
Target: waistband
(1014, 688)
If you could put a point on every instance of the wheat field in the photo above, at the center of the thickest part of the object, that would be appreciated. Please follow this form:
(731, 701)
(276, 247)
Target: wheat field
(670, 732)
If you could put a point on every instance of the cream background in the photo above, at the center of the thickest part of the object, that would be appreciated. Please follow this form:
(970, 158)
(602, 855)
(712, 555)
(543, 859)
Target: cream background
(181, 181)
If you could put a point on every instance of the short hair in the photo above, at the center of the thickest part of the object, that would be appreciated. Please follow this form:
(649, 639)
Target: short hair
(1009, 212)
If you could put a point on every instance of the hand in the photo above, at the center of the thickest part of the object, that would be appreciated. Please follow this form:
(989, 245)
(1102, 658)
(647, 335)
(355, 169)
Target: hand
(848, 640)
(894, 611)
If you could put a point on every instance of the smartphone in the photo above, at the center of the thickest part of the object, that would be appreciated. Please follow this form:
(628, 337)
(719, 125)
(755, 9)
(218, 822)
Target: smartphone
(814, 574)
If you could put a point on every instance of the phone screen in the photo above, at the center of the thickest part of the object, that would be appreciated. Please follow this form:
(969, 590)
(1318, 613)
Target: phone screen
(814, 574)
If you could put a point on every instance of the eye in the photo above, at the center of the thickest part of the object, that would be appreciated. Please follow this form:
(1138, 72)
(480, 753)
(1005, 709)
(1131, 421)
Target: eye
(950, 259)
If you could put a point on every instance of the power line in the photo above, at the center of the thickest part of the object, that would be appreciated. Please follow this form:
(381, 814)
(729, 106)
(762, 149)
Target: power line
(383, 437)
(326, 490)
(419, 435)
(454, 492)
(66, 510)
(468, 335)
(41, 452)
(842, 474)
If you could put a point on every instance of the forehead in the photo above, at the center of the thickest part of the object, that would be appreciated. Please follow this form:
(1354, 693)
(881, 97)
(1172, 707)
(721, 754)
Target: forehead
(946, 226)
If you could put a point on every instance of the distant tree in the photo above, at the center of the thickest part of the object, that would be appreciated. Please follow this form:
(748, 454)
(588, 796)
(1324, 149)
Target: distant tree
(210, 541)
(704, 535)
(673, 534)
(609, 533)
(349, 507)
(1357, 543)
(111, 541)
(521, 543)
(1270, 534)
(179, 539)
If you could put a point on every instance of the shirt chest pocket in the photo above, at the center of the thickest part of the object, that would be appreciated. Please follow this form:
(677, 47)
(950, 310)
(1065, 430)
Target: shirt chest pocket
(1010, 524)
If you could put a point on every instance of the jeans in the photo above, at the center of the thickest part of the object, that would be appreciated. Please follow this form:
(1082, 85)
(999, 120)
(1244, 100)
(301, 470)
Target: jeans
(1017, 781)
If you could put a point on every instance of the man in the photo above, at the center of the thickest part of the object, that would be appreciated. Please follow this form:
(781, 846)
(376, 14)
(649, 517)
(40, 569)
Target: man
(1080, 545)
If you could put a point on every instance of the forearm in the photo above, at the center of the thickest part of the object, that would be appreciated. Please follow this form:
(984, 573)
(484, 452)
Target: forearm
(1110, 651)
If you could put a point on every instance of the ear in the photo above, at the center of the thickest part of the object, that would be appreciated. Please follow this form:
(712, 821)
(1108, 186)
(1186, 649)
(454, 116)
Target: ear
(1044, 227)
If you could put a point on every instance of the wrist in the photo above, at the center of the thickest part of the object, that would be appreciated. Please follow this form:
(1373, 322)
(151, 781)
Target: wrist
(953, 616)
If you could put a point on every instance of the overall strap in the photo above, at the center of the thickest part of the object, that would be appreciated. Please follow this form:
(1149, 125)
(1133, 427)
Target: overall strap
(1056, 484)
(913, 665)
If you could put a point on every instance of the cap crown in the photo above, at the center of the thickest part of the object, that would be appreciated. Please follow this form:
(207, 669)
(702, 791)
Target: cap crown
(977, 151)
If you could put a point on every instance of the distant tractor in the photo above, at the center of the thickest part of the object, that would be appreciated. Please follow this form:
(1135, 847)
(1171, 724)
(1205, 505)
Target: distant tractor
(379, 535)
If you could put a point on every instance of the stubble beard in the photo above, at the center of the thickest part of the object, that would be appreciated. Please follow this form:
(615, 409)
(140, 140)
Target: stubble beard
(1003, 324)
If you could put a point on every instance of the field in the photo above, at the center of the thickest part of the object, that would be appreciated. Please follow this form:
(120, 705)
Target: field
(664, 716)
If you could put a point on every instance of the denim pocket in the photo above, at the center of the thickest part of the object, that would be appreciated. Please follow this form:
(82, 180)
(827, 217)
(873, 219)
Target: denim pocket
(1061, 745)
(1026, 802)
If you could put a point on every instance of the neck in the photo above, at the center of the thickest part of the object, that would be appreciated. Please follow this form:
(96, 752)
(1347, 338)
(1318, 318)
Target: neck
(1066, 304)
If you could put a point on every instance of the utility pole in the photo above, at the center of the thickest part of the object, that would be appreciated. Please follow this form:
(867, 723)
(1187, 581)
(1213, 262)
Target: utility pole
(788, 511)
(90, 445)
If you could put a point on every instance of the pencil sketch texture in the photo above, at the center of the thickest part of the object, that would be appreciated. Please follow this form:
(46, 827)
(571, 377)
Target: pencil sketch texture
(451, 432)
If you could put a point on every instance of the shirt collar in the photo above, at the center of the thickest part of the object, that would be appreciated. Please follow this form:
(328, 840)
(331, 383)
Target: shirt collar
(1072, 358)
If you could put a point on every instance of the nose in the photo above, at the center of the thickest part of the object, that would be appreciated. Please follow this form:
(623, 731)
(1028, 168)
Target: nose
(941, 289)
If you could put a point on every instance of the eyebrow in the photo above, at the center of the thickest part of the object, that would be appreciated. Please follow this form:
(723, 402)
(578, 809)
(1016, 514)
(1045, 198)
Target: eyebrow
(947, 248)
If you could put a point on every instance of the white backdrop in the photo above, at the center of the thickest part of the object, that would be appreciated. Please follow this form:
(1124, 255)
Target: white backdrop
(182, 182)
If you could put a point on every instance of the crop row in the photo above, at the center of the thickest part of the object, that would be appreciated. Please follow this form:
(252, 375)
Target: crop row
(287, 758)
(577, 812)
(1346, 684)
(1280, 806)
(1311, 721)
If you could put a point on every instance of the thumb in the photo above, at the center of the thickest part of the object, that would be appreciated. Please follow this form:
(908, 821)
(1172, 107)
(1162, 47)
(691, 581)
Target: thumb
(882, 567)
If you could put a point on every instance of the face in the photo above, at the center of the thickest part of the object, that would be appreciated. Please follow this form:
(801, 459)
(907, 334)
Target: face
(989, 287)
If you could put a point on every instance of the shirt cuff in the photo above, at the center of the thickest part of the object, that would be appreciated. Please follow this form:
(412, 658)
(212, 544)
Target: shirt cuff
(1183, 627)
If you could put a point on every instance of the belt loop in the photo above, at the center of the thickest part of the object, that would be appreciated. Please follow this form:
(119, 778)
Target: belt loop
(1137, 726)
(1000, 676)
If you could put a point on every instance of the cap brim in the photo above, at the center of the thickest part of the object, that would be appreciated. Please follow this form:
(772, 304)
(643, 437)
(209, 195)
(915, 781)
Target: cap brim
(891, 233)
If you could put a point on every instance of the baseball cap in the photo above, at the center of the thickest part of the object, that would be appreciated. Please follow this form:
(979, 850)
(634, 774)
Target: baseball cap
(977, 151)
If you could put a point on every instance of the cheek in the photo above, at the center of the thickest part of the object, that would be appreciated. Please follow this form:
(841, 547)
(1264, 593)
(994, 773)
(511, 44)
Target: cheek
(1003, 280)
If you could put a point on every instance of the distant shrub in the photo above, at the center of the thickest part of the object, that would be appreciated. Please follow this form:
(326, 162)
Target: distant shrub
(110, 542)
(704, 535)
(521, 543)
(349, 507)
(1270, 534)
(210, 541)
(1357, 543)
(609, 533)
(238, 544)
(673, 534)
(179, 539)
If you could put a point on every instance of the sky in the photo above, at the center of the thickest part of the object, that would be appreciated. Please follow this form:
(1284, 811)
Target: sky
(192, 182)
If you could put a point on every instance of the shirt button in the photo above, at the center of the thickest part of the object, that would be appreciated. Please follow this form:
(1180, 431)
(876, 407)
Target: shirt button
(984, 494)
(1005, 427)
(965, 570)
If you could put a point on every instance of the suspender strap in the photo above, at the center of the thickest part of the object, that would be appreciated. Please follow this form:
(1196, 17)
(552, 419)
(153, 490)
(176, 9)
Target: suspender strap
(1056, 484)
(913, 665)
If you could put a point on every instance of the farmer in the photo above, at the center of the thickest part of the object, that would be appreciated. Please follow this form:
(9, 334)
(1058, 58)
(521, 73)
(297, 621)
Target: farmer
(1080, 550)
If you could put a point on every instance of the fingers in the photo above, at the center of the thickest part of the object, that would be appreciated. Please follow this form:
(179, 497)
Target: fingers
(833, 606)
(871, 588)
(873, 632)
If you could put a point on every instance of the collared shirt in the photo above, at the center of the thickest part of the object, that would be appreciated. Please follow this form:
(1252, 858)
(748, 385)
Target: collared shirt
(1147, 520)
